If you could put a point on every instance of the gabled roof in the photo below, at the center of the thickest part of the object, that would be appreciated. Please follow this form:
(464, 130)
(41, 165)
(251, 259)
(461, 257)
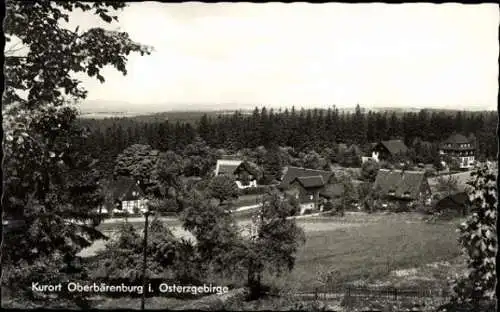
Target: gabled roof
(332, 190)
(395, 147)
(294, 172)
(311, 181)
(251, 167)
(225, 166)
(462, 178)
(398, 183)
(122, 188)
(453, 200)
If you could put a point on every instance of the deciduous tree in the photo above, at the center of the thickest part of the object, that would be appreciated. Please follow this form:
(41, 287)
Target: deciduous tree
(41, 59)
(223, 188)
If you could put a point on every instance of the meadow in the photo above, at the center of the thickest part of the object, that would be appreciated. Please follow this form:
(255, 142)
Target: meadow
(370, 251)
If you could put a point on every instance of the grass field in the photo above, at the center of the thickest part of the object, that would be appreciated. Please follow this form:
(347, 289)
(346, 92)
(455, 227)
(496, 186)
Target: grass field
(366, 249)
(361, 246)
(371, 250)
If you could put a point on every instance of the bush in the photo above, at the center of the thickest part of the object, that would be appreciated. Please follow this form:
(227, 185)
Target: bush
(122, 213)
(259, 190)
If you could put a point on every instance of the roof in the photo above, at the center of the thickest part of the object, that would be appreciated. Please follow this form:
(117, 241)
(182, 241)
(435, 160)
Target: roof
(310, 182)
(461, 177)
(457, 139)
(251, 167)
(395, 147)
(294, 172)
(453, 200)
(121, 188)
(403, 184)
(332, 190)
(225, 166)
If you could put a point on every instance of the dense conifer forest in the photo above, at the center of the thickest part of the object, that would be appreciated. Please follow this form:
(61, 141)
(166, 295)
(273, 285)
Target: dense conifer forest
(304, 130)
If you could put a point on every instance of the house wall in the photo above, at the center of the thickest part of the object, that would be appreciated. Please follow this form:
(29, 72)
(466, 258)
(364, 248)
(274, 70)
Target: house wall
(465, 158)
(243, 175)
(308, 199)
(132, 205)
(380, 153)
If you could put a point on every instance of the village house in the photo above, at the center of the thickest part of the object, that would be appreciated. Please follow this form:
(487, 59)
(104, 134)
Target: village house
(306, 185)
(454, 204)
(459, 148)
(123, 194)
(405, 187)
(245, 173)
(386, 150)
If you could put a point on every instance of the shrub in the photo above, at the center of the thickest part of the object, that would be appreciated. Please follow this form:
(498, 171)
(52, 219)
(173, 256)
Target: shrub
(478, 238)
(259, 190)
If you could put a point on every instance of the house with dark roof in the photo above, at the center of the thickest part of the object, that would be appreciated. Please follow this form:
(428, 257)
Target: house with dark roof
(309, 186)
(290, 173)
(386, 150)
(245, 173)
(401, 185)
(460, 149)
(454, 204)
(226, 166)
(123, 194)
(306, 190)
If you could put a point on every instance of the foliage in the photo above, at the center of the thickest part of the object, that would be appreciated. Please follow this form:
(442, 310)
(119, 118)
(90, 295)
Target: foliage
(478, 238)
(369, 170)
(313, 160)
(223, 188)
(137, 161)
(260, 189)
(166, 256)
(446, 185)
(214, 229)
(273, 244)
(50, 182)
(198, 158)
(272, 164)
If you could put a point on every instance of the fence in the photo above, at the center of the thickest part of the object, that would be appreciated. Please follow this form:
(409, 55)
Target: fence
(357, 293)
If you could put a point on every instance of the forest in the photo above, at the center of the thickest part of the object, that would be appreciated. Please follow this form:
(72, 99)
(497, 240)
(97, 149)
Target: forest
(303, 130)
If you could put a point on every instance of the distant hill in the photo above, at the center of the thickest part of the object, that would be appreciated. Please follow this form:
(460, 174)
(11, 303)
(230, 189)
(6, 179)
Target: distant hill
(98, 109)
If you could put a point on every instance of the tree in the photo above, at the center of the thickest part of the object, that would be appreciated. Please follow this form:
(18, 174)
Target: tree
(446, 185)
(478, 237)
(348, 192)
(166, 256)
(313, 160)
(198, 158)
(223, 188)
(272, 165)
(137, 161)
(167, 183)
(273, 244)
(39, 123)
(369, 170)
(215, 232)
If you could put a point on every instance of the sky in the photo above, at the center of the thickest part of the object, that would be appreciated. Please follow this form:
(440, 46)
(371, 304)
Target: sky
(242, 55)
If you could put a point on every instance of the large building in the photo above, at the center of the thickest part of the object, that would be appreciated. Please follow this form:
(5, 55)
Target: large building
(460, 149)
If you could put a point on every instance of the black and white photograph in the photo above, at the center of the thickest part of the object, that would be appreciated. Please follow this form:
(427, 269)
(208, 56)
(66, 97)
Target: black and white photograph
(245, 156)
